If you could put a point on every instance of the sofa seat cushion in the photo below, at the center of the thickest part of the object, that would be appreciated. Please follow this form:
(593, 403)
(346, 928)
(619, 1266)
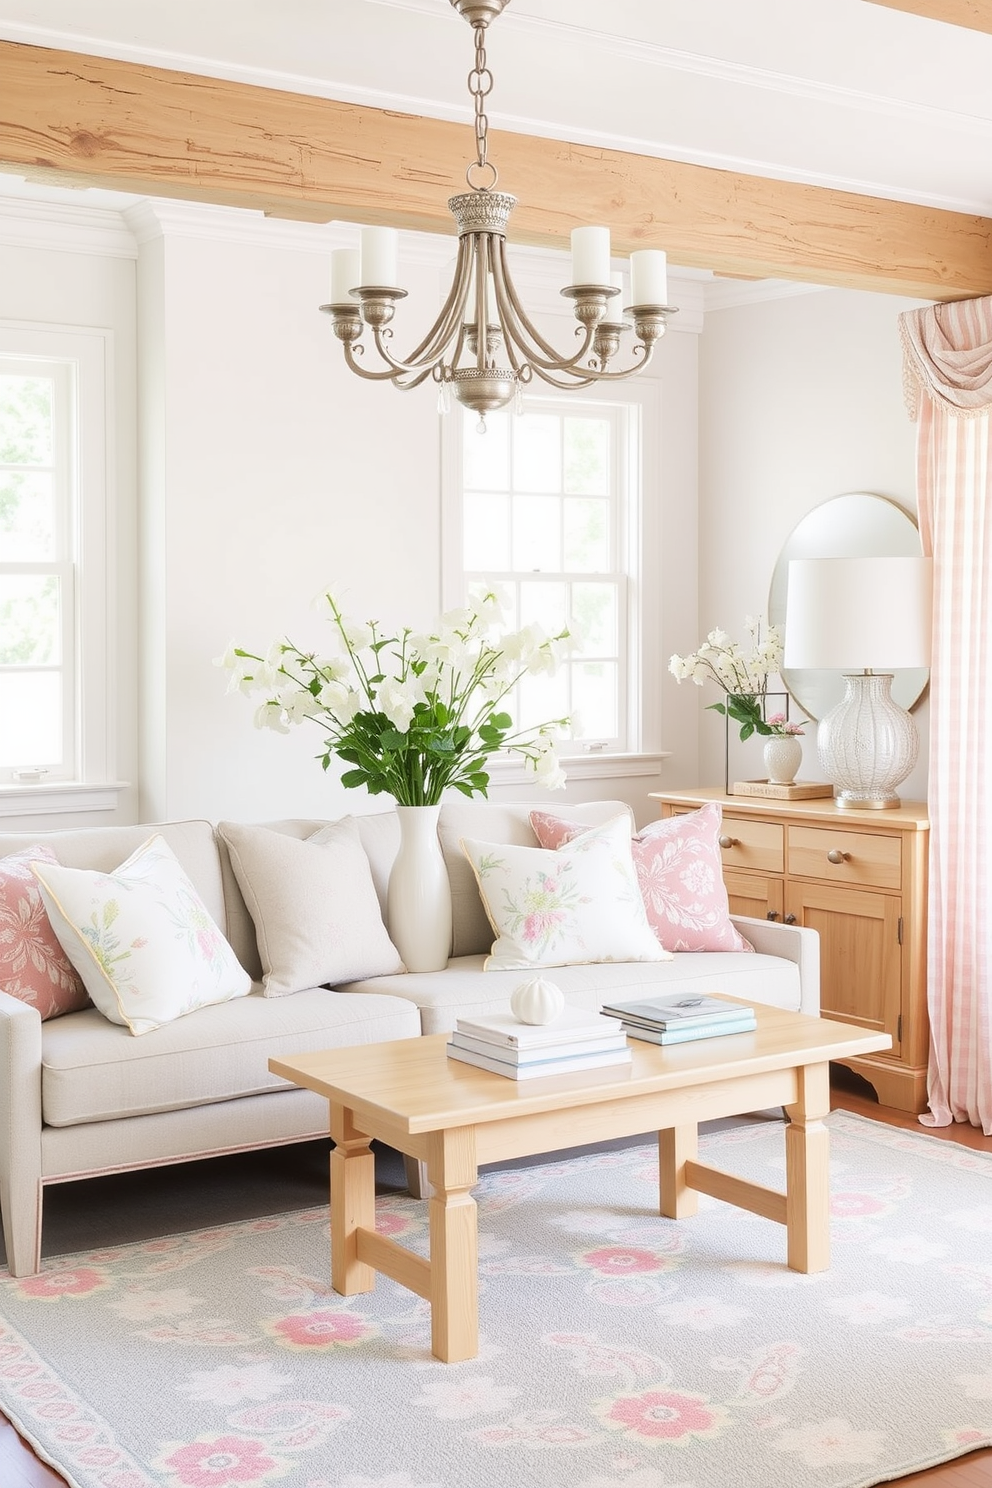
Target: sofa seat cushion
(93, 1070)
(464, 989)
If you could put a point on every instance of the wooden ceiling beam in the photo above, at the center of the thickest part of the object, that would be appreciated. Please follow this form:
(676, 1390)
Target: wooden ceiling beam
(82, 120)
(974, 15)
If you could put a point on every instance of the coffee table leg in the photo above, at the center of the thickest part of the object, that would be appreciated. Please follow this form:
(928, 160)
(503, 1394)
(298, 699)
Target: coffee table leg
(677, 1146)
(452, 1170)
(352, 1203)
(807, 1172)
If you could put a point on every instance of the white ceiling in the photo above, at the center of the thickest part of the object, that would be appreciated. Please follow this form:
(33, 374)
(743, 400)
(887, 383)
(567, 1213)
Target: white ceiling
(838, 93)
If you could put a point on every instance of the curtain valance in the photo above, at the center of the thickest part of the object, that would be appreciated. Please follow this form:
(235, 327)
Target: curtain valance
(947, 354)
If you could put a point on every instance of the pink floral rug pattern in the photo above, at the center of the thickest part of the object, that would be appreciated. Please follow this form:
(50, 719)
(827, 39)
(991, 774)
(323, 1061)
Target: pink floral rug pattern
(618, 1349)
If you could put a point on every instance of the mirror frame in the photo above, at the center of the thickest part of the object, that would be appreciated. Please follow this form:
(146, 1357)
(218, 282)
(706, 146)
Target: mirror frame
(858, 524)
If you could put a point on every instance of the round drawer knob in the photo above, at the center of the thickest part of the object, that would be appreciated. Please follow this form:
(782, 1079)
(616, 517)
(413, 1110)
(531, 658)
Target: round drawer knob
(772, 914)
(728, 841)
(790, 919)
(836, 856)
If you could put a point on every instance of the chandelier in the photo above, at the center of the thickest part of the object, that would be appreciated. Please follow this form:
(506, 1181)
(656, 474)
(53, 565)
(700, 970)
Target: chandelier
(483, 347)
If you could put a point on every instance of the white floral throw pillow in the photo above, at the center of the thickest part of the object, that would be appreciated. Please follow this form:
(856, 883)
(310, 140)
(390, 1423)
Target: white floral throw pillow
(576, 904)
(141, 938)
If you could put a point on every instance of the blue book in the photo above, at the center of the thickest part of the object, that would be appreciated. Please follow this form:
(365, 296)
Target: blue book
(695, 1031)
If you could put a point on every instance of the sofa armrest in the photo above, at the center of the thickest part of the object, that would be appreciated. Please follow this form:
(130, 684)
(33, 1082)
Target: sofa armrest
(20, 1132)
(794, 943)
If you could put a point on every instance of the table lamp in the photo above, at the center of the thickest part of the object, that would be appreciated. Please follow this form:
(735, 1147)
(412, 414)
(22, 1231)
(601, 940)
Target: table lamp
(864, 617)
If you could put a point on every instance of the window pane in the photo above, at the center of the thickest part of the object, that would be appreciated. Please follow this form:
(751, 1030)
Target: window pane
(30, 719)
(29, 619)
(26, 420)
(587, 456)
(544, 604)
(27, 517)
(487, 459)
(587, 535)
(594, 699)
(594, 607)
(542, 699)
(486, 531)
(537, 533)
(537, 453)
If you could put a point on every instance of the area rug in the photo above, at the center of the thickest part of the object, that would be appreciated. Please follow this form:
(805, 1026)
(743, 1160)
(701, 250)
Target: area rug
(618, 1349)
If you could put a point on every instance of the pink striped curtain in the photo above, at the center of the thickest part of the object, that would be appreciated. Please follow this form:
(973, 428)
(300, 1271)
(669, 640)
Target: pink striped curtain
(948, 363)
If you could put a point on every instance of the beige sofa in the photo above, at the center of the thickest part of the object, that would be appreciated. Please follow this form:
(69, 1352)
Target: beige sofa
(81, 1096)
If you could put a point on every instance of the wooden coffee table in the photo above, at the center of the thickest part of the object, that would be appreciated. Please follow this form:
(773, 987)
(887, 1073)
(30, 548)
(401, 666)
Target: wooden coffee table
(409, 1095)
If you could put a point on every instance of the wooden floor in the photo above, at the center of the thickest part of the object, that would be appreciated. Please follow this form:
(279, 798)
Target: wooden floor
(20, 1468)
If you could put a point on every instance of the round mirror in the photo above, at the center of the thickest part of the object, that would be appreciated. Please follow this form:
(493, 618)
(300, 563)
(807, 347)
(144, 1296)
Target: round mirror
(859, 525)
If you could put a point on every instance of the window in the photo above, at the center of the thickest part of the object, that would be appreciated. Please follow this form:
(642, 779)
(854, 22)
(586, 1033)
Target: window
(53, 600)
(544, 506)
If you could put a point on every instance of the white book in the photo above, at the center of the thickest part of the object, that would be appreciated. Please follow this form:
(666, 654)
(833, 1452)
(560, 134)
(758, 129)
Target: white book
(504, 1028)
(540, 1066)
(567, 1047)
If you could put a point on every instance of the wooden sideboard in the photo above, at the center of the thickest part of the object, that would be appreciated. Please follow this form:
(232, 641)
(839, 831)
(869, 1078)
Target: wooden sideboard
(860, 879)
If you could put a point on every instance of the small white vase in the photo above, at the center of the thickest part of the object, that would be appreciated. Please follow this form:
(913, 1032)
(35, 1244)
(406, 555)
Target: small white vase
(418, 902)
(783, 756)
(537, 1001)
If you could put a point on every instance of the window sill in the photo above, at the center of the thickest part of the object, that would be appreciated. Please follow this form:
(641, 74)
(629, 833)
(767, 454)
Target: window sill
(57, 796)
(592, 766)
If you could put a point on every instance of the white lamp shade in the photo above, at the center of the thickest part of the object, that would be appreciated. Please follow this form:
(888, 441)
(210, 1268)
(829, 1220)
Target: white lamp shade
(853, 614)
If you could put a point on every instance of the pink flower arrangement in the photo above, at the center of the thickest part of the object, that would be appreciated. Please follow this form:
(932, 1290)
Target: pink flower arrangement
(779, 725)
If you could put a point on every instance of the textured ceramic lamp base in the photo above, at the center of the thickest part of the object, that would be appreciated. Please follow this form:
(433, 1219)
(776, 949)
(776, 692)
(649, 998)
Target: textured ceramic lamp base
(867, 745)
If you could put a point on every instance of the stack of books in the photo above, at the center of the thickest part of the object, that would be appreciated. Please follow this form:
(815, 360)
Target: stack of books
(524, 1051)
(680, 1018)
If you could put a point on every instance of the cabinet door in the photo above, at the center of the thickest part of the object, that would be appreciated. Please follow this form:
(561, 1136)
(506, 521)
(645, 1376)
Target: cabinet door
(860, 954)
(754, 894)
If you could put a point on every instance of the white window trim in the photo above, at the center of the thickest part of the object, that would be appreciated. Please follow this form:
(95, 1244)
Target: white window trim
(641, 536)
(94, 786)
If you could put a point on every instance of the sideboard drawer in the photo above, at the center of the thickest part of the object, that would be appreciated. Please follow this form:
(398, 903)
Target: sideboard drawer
(752, 844)
(848, 857)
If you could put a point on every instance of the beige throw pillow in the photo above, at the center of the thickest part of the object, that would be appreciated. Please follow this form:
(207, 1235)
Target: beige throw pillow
(317, 918)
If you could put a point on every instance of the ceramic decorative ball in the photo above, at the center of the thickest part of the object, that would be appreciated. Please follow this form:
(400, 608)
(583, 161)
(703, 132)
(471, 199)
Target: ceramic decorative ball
(537, 1001)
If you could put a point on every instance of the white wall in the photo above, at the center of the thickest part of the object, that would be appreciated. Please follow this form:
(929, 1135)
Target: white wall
(800, 400)
(270, 472)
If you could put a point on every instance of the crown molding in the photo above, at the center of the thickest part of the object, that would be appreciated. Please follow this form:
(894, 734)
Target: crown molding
(30, 222)
(727, 294)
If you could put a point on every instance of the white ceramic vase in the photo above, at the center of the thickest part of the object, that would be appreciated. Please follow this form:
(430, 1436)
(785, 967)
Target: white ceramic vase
(418, 903)
(783, 756)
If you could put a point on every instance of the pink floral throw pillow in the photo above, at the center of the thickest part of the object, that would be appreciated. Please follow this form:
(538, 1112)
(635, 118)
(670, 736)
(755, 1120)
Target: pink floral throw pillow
(33, 965)
(680, 874)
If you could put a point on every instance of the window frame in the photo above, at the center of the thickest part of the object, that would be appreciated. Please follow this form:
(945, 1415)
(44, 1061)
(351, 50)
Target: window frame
(86, 354)
(637, 524)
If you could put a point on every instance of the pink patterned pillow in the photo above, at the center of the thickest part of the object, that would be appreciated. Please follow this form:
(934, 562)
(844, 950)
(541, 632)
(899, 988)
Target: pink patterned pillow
(33, 965)
(680, 873)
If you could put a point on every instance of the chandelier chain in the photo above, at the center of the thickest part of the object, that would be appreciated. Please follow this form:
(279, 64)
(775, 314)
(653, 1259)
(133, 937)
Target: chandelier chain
(480, 84)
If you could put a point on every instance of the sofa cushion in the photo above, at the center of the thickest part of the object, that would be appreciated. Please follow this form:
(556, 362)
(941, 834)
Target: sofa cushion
(680, 873)
(33, 966)
(93, 1071)
(580, 902)
(466, 990)
(141, 938)
(313, 902)
(471, 932)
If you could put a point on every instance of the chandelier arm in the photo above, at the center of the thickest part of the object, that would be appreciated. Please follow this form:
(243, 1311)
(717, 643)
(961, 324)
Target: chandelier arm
(352, 360)
(438, 338)
(521, 330)
(587, 376)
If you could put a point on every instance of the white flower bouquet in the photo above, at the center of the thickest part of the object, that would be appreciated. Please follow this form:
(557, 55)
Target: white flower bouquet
(743, 674)
(412, 714)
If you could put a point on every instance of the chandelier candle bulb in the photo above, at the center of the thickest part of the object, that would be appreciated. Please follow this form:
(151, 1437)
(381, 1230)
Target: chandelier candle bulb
(649, 277)
(346, 274)
(380, 258)
(614, 310)
(591, 255)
